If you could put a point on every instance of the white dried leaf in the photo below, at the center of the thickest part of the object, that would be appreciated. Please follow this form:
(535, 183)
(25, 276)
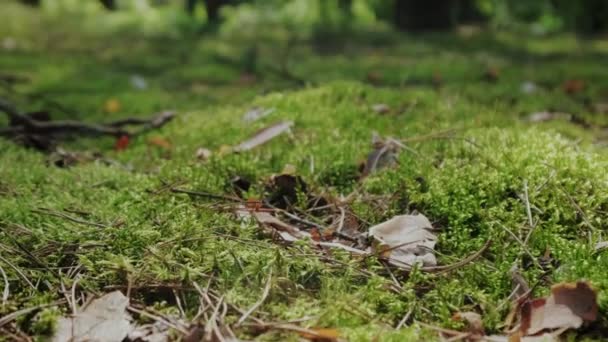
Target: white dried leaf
(264, 136)
(408, 239)
(105, 319)
(257, 113)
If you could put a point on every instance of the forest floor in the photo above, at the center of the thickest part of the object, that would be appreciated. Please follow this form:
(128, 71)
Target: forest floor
(458, 113)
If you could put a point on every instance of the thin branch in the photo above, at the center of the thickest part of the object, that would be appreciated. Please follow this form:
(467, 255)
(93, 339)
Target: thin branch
(28, 124)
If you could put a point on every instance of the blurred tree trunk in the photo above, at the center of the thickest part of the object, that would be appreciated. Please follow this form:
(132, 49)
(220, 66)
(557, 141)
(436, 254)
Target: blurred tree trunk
(213, 10)
(34, 3)
(109, 4)
(429, 15)
(346, 6)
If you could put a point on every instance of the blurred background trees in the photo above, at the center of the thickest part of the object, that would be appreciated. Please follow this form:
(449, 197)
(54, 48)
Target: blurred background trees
(537, 16)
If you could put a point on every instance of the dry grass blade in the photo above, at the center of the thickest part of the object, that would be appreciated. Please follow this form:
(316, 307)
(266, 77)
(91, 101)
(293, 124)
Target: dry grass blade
(12, 316)
(19, 272)
(258, 303)
(6, 291)
(447, 268)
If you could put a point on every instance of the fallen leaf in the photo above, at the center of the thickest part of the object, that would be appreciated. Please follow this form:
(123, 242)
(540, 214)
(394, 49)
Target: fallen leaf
(473, 320)
(105, 319)
(548, 116)
(264, 135)
(156, 332)
(138, 82)
(528, 87)
(405, 240)
(112, 106)
(600, 246)
(601, 107)
(573, 86)
(374, 78)
(568, 306)
(122, 143)
(159, 142)
(257, 113)
(491, 74)
(203, 153)
(381, 108)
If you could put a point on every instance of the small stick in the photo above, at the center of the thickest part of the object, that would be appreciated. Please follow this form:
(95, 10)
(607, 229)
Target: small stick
(258, 303)
(6, 291)
(67, 217)
(527, 202)
(404, 319)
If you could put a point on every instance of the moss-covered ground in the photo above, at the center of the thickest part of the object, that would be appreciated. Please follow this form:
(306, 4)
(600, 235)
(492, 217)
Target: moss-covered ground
(470, 183)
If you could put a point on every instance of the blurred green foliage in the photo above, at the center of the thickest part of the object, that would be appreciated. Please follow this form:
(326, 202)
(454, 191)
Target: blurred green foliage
(305, 17)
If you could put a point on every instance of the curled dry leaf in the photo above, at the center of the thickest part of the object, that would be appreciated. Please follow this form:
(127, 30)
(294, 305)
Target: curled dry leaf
(105, 319)
(203, 153)
(568, 306)
(265, 135)
(381, 108)
(473, 321)
(548, 116)
(405, 240)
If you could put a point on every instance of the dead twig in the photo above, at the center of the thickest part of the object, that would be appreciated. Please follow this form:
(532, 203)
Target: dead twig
(22, 123)
(59, 214)
(6, 292)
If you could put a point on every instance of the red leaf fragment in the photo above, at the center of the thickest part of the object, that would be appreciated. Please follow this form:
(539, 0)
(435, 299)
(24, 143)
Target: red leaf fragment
(122, 143)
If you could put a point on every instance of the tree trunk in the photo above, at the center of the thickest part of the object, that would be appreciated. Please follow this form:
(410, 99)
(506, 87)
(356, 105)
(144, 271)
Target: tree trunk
(109, 4)
(429, 15)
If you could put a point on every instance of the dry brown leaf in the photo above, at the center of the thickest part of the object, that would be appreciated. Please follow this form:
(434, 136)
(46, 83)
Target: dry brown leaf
(264, 135)
(568, 306)
(473, 320)
(405, 240)
(159, 142)
(573, 86)
(105, 319)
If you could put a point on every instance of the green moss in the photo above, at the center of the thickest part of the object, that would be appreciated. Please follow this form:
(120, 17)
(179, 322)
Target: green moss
(470, 184)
